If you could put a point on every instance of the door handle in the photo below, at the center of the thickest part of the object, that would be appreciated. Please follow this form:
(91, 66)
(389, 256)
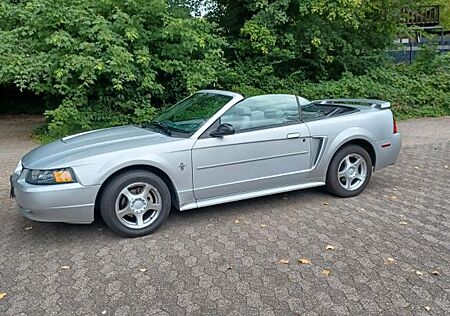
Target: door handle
(293, 135)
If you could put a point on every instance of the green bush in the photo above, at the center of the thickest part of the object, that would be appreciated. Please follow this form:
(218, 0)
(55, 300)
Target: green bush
(111, 62)
(106, 62)
(422, 89)
(313, 39)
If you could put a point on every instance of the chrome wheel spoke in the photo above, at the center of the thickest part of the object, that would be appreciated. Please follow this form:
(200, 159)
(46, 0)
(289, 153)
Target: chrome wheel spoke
(145, 191)
(357, 163)
(154, 206)
(124, 211)
(140, 220)
(344, 165)
(126, 192)
(348, 183)
(360, 176)
(347, 162)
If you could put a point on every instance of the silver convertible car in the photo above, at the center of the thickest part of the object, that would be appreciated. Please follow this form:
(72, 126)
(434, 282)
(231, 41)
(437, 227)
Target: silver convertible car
(212, 147)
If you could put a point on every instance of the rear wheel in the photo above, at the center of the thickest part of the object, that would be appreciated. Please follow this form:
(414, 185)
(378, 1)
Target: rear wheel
(135, 203)
(349, 171)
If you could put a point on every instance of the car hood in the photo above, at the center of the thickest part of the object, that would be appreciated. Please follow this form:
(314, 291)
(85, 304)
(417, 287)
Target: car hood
(72, 149)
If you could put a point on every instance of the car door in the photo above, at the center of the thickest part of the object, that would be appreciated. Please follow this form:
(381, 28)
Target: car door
(269, 149)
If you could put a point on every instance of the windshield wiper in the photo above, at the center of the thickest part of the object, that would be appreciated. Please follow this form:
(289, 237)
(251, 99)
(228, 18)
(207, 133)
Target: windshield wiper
(160, 126)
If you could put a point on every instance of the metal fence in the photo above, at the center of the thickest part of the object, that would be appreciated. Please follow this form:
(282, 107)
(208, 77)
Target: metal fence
(421, 15)
(407, 52)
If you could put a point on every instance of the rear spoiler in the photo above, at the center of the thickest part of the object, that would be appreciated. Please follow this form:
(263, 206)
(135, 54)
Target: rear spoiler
(376, 104)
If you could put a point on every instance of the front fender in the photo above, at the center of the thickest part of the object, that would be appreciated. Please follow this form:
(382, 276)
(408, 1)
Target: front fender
(155, 162)
(100, 168)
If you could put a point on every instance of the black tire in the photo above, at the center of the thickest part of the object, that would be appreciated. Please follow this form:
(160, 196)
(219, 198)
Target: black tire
(333, 184)
(114, 188)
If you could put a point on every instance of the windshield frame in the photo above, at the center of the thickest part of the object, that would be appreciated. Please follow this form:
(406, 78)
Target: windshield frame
(235, 97)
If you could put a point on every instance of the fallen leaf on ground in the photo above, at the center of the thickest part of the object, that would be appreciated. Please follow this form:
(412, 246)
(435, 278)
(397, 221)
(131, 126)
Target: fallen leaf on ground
(419, 272)
(389, 260)
(325, 272)
(403, 223)
(326, 203)
(329, 247)
(65, 267)
(2, 295)
(143, 269)
(263, 225)
(428, 308)
(435, 272)
(284, 261)
(304, 261)
(28, 227)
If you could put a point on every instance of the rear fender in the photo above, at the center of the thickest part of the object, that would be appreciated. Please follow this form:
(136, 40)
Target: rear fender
(333, 145)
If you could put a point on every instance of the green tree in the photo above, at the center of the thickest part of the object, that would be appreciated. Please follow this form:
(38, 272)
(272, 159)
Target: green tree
(312, 39)
(107, 62)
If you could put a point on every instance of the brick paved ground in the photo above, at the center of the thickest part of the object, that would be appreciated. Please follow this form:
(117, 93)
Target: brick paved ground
(205, 262)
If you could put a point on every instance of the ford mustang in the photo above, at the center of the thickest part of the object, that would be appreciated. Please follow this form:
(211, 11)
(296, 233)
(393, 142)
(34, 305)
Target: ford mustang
(212, 147)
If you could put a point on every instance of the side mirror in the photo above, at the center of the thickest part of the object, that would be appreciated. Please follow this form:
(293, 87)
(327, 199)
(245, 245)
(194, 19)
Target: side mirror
(222, 130)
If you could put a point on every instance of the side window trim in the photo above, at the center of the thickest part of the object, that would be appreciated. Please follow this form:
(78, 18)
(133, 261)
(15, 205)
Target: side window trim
(216, 123)
(212, 127)
(252, 129)
(300, 114)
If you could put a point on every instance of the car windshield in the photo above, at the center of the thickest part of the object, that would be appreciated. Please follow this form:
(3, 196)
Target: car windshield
(187, 116)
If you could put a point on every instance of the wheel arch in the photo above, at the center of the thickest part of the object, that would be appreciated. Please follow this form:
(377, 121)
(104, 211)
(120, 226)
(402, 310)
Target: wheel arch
(362, 143)
(160, 173)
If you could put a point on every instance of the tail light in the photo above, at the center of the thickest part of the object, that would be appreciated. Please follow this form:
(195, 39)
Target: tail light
(395, 126)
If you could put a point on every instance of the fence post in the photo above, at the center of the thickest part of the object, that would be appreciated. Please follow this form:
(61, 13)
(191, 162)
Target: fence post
(410, 52)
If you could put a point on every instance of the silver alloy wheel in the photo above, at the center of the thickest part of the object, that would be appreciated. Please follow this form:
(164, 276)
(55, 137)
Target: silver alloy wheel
(352, 172)
(138, 205)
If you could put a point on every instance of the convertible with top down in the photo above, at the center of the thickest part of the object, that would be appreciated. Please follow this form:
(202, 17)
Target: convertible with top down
(211, 148)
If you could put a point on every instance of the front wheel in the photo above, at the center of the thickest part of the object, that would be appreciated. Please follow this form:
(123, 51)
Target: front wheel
(135, 203)
(349, 171)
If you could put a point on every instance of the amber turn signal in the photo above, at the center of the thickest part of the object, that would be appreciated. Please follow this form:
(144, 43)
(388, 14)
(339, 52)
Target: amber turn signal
(62, 176)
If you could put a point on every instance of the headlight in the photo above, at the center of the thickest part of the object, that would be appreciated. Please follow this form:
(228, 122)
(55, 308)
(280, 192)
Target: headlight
(56, 176)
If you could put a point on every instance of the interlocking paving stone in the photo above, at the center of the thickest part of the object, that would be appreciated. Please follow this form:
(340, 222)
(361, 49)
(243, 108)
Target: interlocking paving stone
(203, 262)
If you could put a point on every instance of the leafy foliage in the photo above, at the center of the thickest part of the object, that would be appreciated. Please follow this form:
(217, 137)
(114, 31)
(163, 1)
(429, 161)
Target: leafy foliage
(106, 61)
(111, 62)
(314, 39)
(422, 89)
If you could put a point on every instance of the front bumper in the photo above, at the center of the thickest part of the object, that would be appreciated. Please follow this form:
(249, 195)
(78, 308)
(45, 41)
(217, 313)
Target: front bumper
(68, 203)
